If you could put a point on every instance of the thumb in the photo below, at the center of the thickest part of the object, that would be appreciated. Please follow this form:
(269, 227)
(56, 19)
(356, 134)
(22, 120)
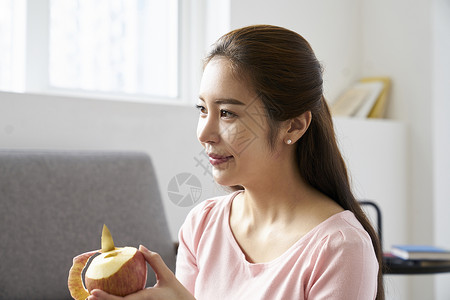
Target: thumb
(162, 271)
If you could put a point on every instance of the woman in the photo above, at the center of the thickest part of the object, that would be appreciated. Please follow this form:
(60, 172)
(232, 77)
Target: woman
(292, 228)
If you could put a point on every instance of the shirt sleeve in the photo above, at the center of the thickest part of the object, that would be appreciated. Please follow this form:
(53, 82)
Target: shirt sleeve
(186, 267)
(346, 268)
(189, 237)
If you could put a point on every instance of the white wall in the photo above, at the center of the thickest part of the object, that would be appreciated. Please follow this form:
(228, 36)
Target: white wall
(441, 136)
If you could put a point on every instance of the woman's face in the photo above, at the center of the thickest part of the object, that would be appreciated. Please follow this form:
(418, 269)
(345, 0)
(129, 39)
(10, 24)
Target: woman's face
(233, 126)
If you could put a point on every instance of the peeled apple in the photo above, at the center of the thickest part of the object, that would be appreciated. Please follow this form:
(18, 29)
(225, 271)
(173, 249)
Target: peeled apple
(118, 271)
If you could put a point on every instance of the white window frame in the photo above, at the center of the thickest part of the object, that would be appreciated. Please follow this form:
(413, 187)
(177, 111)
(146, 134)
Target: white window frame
(190, 51)
(200, 23)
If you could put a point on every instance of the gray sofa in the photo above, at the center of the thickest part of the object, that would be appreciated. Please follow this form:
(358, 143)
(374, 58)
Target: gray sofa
(53, 205)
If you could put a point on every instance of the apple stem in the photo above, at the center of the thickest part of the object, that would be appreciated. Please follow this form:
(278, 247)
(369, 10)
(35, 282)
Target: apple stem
(107, 240)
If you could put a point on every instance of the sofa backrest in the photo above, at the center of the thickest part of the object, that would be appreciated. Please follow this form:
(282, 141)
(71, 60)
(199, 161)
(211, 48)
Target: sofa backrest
(53, 205)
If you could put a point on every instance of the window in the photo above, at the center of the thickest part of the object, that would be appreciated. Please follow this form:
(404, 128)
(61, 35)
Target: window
(118, 47)
(12, 45)
(128, 46)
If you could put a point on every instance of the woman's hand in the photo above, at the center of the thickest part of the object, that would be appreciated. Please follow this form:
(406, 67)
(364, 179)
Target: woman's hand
(167, 287)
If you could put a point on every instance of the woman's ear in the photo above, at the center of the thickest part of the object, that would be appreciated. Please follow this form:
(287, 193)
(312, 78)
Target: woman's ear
(297, 127)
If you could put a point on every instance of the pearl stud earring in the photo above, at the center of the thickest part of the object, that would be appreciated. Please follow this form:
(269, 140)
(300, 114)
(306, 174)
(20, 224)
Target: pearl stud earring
(289, 141)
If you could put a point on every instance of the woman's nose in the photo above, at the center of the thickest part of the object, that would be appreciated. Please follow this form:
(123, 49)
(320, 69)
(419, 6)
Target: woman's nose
(208, 130)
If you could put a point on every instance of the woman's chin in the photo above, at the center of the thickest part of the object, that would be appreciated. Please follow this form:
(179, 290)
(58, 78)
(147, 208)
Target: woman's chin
(224, 179)
(223, 182)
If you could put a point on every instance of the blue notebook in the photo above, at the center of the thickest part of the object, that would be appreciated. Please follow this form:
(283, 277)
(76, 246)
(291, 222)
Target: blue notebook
(420, 252)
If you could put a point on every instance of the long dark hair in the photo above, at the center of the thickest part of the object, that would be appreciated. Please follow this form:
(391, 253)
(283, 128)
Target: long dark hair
(286, 75)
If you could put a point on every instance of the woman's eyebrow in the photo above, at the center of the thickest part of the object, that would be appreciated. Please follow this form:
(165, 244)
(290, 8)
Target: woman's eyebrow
(228, 101)
(224, 101)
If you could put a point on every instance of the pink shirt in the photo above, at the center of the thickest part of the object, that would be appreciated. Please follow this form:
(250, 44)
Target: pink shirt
(335, 260)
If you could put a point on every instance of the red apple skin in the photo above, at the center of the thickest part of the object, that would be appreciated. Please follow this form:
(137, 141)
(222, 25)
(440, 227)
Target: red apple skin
(75, 281)
(130, 278)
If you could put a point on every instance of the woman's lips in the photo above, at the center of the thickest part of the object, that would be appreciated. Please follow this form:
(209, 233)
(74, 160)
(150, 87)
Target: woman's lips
(216, 159)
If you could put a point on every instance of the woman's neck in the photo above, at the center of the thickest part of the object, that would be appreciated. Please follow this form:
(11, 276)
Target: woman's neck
(281, 197)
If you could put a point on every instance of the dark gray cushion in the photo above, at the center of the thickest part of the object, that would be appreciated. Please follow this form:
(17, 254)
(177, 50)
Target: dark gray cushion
(53, 205)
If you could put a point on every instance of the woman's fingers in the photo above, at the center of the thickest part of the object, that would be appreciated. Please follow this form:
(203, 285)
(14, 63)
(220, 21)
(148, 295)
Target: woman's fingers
(101, 295)
(167, 287)
(162, 271)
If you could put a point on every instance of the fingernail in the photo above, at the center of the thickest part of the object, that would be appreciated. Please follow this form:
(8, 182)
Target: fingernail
(143, 248)
(95, 294)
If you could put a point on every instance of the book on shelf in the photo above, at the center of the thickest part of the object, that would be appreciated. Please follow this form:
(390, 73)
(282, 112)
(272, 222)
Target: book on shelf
(364, 99)
(378, 110)
(420, 252)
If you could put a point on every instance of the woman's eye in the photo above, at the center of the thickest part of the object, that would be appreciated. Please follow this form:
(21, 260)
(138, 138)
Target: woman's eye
(223, 113)
(227, 114)
(201, 109)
